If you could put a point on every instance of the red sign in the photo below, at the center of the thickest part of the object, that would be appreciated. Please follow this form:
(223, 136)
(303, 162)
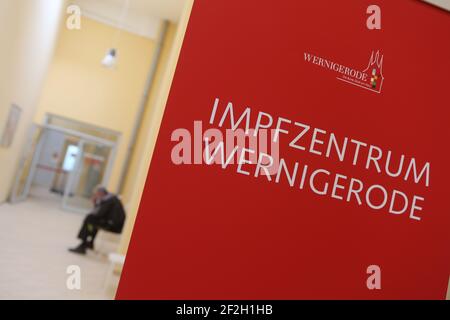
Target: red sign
(338, 185)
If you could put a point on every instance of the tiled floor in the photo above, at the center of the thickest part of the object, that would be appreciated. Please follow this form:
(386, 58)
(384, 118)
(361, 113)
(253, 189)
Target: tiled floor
(34, 237)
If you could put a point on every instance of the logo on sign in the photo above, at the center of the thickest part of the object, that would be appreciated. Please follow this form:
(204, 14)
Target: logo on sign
(371, 78)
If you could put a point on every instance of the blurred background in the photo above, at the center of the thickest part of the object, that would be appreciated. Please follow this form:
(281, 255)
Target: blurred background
(83, 86)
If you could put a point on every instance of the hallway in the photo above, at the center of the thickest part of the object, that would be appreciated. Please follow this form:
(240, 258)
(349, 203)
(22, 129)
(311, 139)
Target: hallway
(34, 237)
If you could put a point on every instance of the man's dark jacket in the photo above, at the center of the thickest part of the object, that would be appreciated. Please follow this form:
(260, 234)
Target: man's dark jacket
(110, 213)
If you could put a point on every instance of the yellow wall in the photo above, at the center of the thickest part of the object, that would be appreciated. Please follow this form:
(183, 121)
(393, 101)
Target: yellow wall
(8, 34)
(28, 31)
(80, 88)
(143, 135)
(152, 122)
(8, 30)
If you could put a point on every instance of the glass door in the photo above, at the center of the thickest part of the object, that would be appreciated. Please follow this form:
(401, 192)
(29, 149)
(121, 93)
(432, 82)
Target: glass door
(88, 164)
(27, 164)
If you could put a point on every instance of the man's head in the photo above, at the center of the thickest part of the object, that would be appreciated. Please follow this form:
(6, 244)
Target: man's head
(100, 192)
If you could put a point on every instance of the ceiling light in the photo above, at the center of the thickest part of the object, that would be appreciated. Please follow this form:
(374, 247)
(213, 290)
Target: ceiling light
(110, 59)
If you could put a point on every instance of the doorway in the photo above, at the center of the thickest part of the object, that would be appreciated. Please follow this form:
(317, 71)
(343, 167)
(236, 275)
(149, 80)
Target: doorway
(65, 160)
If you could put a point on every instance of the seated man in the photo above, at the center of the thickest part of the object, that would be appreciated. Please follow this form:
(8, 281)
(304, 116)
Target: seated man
(108, 214)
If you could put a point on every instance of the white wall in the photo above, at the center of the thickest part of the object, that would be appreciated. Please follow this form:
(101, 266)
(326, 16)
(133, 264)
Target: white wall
(27, 38)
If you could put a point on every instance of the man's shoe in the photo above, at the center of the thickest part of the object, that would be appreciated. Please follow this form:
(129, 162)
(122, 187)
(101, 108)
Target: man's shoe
(81, 249)
(90, 245)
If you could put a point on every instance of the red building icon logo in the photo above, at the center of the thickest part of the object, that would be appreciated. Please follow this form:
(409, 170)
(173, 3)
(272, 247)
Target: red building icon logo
(375, 71)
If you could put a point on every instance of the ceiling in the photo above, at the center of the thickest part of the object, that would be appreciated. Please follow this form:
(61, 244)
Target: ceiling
(445, 4)
(143, 16)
